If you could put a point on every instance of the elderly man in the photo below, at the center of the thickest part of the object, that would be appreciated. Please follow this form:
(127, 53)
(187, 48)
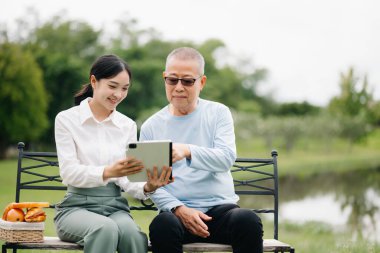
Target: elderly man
(201, 204)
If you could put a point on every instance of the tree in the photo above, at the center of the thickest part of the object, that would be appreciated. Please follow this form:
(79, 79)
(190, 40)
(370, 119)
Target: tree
(297, 109)
(147, 60)
(354, 99)
(65, 51)
(22, 95)
(376, 113)
(353, 107)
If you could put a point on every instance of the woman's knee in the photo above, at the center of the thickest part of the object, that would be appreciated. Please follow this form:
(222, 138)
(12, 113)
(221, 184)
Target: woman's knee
(107, 229)
(129, 230)
(81, 225)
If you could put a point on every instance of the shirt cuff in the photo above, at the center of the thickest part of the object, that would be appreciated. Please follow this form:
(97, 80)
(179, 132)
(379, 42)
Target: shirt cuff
(171, 206)
(192, 152)
(135, 189)
(96, 175)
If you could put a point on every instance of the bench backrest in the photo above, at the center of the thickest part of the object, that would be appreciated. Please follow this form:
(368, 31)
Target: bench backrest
(252, 177)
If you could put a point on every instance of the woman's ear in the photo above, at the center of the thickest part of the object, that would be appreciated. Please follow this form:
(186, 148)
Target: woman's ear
(93, 81)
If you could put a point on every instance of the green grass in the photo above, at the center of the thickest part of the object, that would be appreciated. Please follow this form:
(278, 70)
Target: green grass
(316, 237)
(307, 159)
(311, 157)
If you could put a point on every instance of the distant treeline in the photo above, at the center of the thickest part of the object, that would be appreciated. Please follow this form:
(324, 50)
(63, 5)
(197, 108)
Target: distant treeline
(42, 65)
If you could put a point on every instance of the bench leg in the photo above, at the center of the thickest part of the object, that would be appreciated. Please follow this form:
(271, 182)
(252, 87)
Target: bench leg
(291, 250)
(4, 249)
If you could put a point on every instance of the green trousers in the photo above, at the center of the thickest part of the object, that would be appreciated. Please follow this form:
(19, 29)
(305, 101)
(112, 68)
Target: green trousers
(99, 219)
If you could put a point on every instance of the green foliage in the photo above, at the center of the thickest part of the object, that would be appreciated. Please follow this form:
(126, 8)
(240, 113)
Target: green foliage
(147, 62)
(273, 130)
(220, 84)
(315, 237)
(375, 113)
(297, 109)
(354, 107)
(285, 132)
(64, 51)
(22, 95)
(354, 99)
(354, 128)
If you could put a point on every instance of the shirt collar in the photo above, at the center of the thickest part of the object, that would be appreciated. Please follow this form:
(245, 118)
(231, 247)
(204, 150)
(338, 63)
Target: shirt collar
(86, 114)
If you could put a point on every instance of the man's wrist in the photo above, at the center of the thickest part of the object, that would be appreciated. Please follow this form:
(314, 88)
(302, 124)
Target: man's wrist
(188, 155)
(175, 209)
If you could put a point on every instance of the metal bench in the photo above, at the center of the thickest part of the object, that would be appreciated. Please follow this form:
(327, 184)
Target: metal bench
(252, 177)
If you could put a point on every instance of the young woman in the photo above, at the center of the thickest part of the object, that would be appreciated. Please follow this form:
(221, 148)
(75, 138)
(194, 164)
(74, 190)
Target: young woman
(91, 140)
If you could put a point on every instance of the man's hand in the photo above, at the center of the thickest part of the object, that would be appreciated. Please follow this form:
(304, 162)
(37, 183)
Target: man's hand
(180, 151)
(193, 219)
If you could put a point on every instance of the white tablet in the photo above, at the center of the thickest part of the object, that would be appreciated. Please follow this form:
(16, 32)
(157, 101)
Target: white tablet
(151, 153)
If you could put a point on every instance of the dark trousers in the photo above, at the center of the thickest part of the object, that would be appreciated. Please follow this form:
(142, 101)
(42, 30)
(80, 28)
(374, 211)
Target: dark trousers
(230, 224)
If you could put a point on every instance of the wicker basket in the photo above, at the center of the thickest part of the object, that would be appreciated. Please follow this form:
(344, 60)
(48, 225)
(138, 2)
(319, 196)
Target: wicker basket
(21, 231)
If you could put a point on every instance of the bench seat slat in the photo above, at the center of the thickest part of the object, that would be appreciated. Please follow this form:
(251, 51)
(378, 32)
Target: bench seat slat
(270, 245)
(49, 243)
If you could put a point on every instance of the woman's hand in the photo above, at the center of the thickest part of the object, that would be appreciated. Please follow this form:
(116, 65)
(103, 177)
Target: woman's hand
(122, 168)
(155, 181)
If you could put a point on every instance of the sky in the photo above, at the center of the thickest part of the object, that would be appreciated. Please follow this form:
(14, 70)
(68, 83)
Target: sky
(304, 44)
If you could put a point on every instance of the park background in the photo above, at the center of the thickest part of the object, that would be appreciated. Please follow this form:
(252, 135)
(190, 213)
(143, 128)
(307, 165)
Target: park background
(328, 137)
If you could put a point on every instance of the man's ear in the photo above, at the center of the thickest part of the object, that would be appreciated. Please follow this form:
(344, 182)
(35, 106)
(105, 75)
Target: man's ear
(203, 81)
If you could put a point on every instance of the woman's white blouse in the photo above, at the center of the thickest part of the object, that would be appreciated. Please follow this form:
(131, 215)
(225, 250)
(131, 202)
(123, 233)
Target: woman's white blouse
(86, 146)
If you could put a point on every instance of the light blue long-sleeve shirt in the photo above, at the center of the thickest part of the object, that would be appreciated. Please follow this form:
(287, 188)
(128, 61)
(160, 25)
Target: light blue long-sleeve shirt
(205, 180)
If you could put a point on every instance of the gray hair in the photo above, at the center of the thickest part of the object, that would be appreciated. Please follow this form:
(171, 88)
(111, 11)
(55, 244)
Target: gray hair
(187, 53)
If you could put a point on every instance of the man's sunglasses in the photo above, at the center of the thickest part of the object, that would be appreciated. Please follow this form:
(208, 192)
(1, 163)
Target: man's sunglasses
(184, 81)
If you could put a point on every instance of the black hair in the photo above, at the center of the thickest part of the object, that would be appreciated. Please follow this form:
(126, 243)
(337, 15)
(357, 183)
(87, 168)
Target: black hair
(106, 66)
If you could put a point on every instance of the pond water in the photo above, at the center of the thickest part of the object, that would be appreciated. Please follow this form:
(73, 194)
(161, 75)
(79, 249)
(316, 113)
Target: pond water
(346, 201)
(349, 201)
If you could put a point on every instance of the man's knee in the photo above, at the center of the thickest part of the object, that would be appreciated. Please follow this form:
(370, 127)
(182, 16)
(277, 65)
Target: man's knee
(246, 220)
(165, 225)
(247, 231)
